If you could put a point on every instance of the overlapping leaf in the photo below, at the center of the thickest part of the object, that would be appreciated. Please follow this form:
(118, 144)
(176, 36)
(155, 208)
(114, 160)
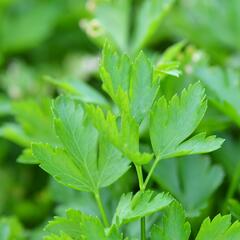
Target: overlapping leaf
(220, 228)
(80, 226)
(79, 164)
(135, 78)
(173, 122)
(58, 237)
(173, 224)
(131, 208)
(133, 87)
(34, 124)
(124, 137)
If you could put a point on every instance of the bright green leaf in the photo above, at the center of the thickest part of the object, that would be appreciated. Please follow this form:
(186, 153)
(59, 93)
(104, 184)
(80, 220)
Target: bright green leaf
(143, 87)
(27, 157)
(80, 226)
(220, 228)
(173, 225)
(56, 237)
(62, 167)
(130, 208)
(174, 121)
(130, 83)
(125, 137)
(87, 161)
(167, 63)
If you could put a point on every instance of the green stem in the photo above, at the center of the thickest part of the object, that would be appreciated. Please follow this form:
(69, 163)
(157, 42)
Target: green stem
(233, 186)
(101, 208)
(234, 182)
(142, 188)
(143, 229)
(140, 177)
(151, 172)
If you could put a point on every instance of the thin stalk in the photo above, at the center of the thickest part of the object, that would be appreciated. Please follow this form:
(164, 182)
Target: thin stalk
(151, 172)
(234, 182)
(143, 229)
(233, 186)
(140, 177)
(101, 209)
(142, 188)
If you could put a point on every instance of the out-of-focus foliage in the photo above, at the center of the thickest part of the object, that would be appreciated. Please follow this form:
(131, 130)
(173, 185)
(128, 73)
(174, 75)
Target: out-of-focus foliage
(212, 25)
(52, 47)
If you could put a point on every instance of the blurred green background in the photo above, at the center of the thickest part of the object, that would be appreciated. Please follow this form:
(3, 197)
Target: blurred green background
(48, 47)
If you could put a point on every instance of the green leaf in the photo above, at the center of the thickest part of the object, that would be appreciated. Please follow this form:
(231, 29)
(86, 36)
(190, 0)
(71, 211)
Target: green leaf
(87, 161)
(148, 18)
(13, 132)
(81, 226)
(114, 16)
(125, 137)
(173, 224)
(32, 126)
(131, 84)
(114, 70)
(131, 208)
(223, 89)
(143, 87)
(167, 63)
(111, 164)
(199, 144)
(133, 87)
(27, 157)
(56, 237)
(169, 68)
(234, 208)
(173, 122)
(79, 89)
(57, 163)
(219, 228)
(37, 124)
(75, 224)
(181, 177)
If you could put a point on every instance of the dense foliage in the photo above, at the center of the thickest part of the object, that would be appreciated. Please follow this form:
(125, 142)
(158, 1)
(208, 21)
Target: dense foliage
(119, 120)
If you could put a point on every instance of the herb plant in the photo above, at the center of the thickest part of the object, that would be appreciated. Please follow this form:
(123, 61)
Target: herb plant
(98, 145)
(109, 112)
